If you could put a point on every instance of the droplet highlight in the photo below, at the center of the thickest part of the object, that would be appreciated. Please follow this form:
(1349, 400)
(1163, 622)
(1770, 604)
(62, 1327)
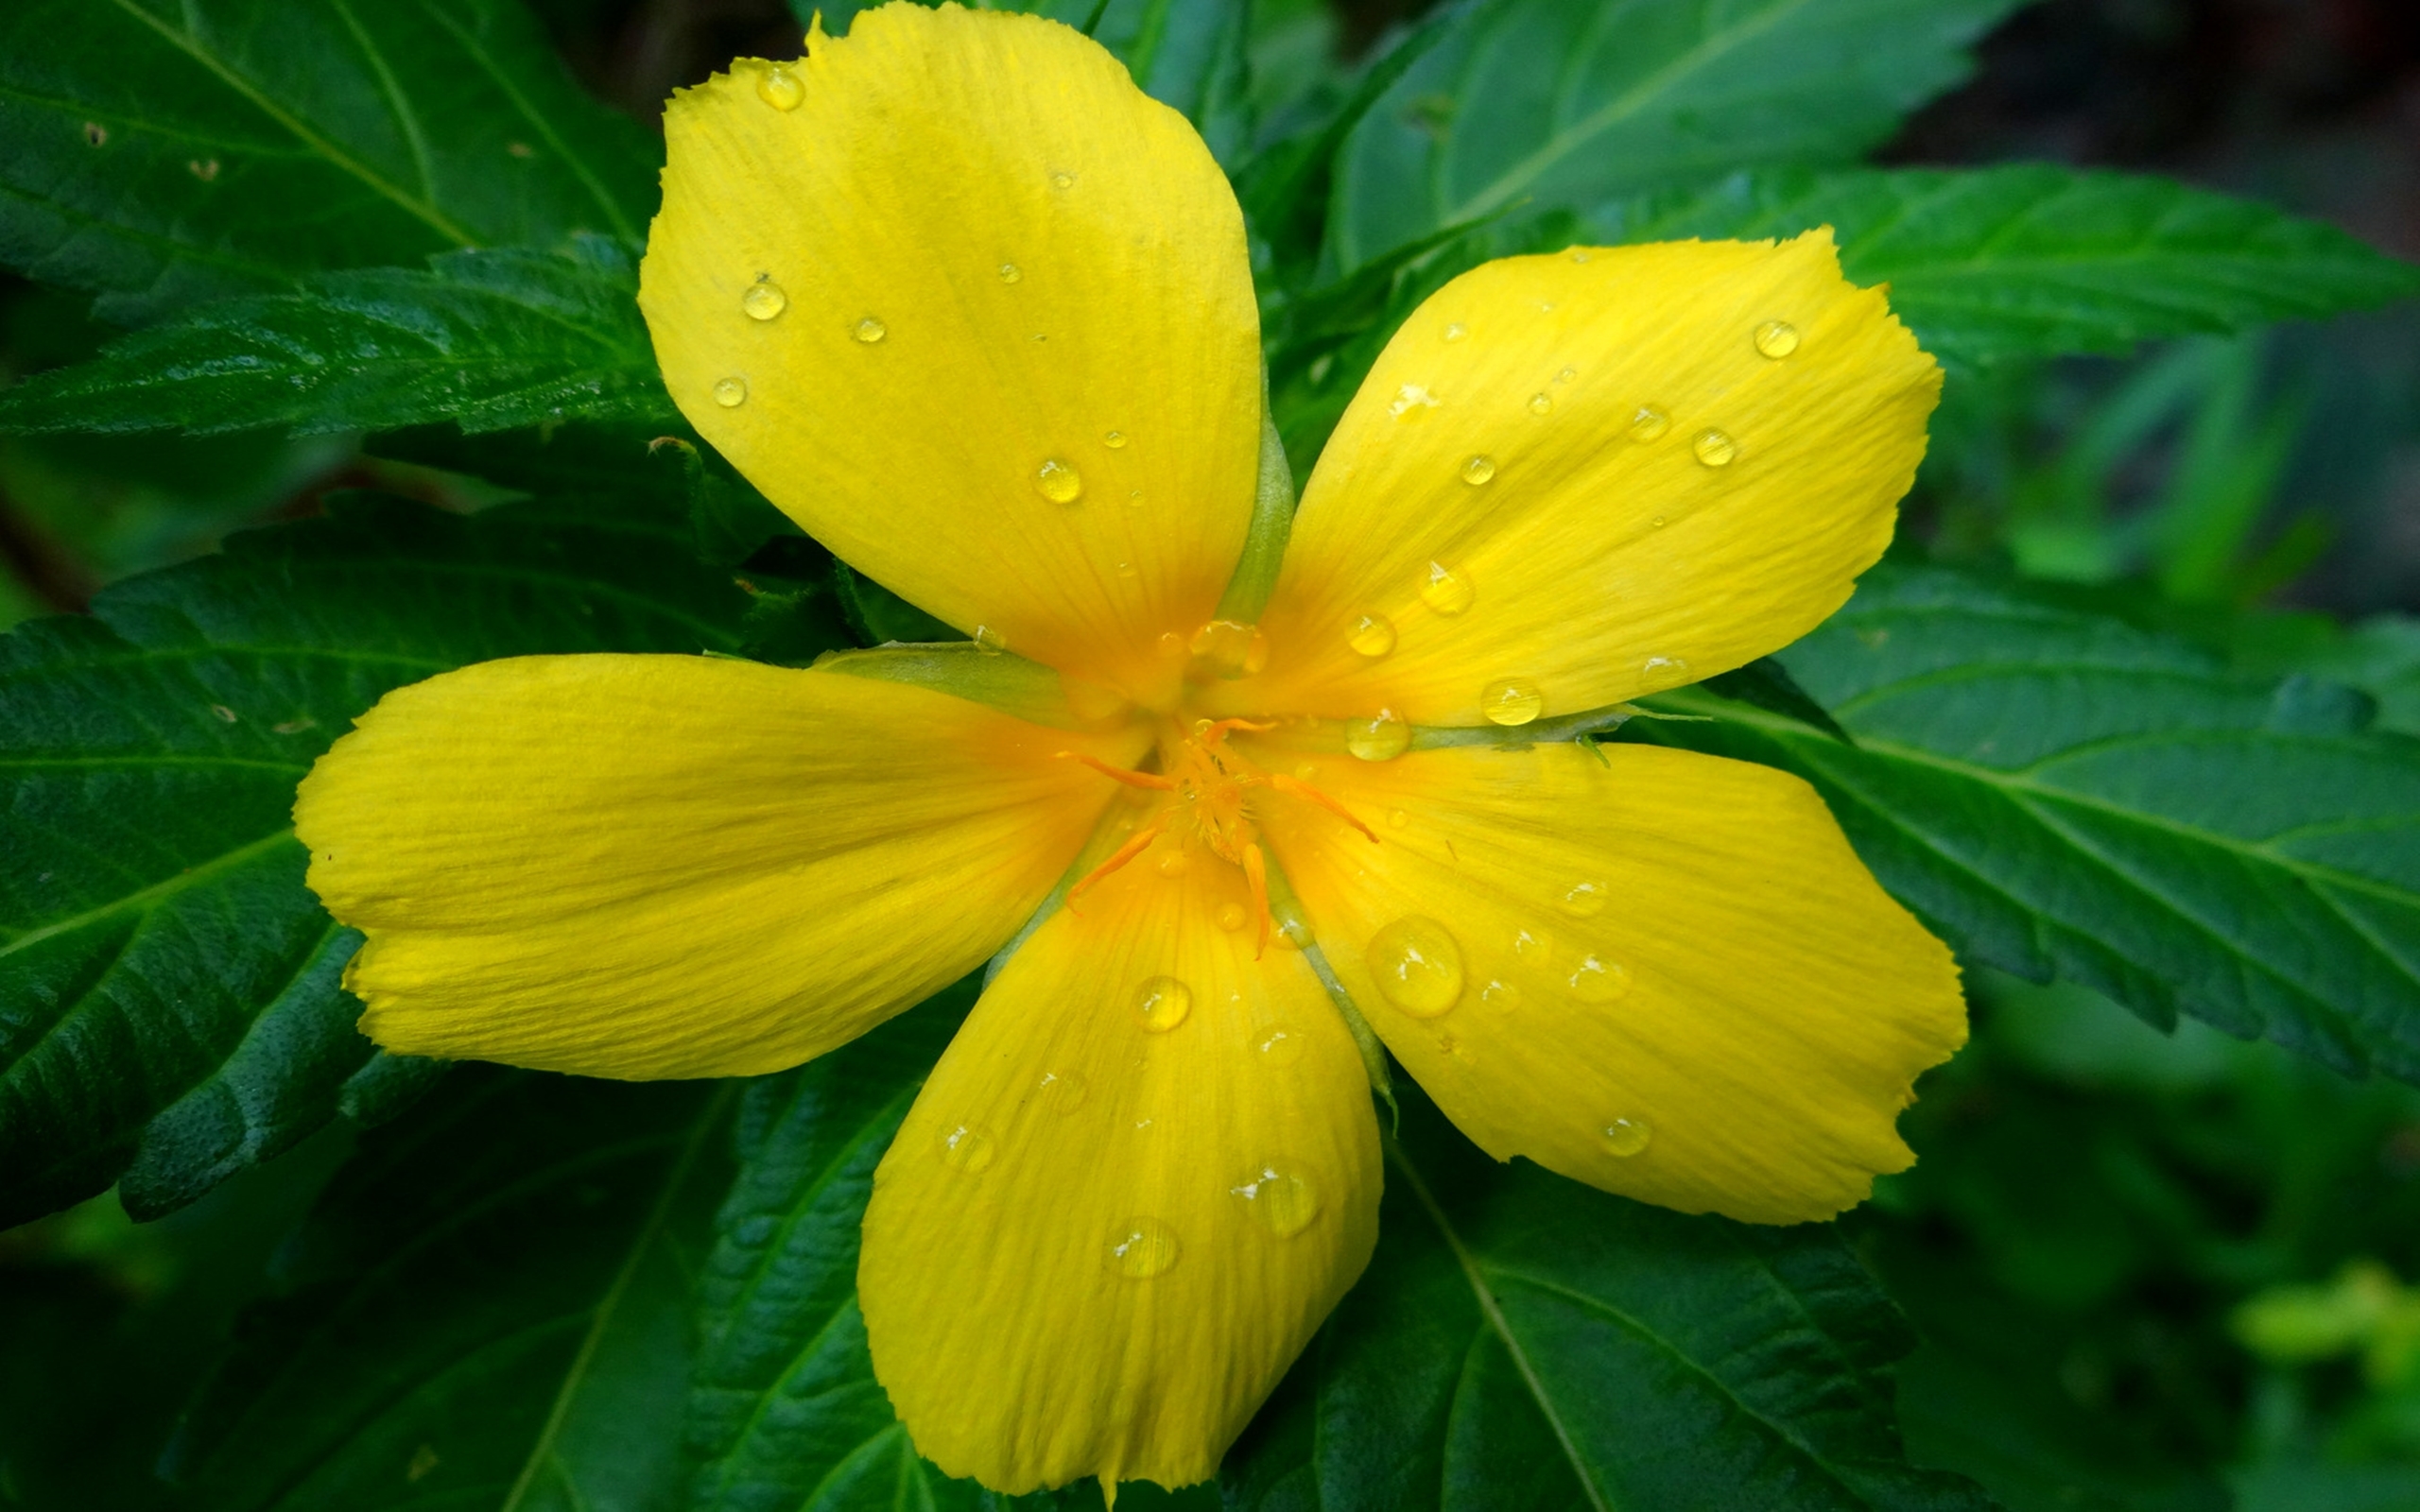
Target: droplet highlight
(780, 88)
(731, 392)
(988, 641)
(1500, 995)
(1063, 1092)
(1280, 1045)
(1062, 180)
(1511, 701)
(1418, 965)
(1776, 339)
(764, 299)
(1382, 737)
(1057, 481)
(1284, 1200)
(1648, 424)
(1232, 917)
(1478, 471)
(1715, 449)
(1011, 273)
(1372, 635)
(1627, 1136)
(1585, 900)
(1142, 1248)
(1162, 1002)
(1114, 440)
(1541, 404)
(1596, 980)
(1411, 400)
(967, 1148)
(1446, 590)
(1664, 671)
(869, 331)
(1455, 331)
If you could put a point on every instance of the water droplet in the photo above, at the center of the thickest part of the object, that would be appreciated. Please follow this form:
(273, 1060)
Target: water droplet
(1398, 819)
(869, 331)
(1648, 424)
(1597, 980)
(1381, 737)
(1567, 375)
(1372, 635)
(1063, 1092)
(1776, 339)
(1585, 900)
(1142, 1248)
(1628, 1136)
(1162, 1002)
(1579, 254)
(1281, 1045)
(1657, 522)
(1541, 404)
(1114, 440)
(990, 641)
(1664, 671)
(764, 299)
(1502, 996)
(1059, 481)
(1126, 569)
(1173, 863)
(967, 1148)
(1011, 273)
(1532, 947)
(1418, 965)
(1511, 701)
(1411, 400)
(1447, 592)
(1455, 331)
(1715, 449)
(1233, 918)
(780, 88)
(1062, 180)
(1284, 1201)
(1172, 645)
(1227, 647)
(731, 392)
(1478, 470)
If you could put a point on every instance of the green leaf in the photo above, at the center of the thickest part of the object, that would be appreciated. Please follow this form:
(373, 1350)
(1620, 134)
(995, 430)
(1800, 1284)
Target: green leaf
(2036, 259)
(1521, 1341)
(1564, 104)
(486, 1308)
(2060, 795)
(488, 339)
(166, 152)
(169, 1004)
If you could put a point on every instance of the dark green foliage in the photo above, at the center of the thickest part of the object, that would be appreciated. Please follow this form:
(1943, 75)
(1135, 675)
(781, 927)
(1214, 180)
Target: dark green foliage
(486, 1308)
(2058, 795)
(488, 339)
(170, 1005)
(163, 154)
(2036, 259)
(1520, 1342)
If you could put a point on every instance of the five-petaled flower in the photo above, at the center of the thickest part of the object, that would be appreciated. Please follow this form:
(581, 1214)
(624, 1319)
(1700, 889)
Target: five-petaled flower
(978, 314)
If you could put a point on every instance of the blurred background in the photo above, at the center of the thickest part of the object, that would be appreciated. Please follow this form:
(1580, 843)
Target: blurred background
(2152, 1271)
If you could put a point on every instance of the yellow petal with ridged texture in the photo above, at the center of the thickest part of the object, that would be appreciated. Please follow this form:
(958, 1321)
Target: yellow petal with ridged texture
(1013, 372)
(657, 866)
(1663, 973)
(1139, 1178)
(1596, 479)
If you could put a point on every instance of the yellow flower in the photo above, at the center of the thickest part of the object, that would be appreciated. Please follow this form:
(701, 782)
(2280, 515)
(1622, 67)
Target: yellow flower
(977, 313)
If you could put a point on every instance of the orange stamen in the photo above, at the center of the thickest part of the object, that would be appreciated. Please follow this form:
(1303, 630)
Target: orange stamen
(1296, 788)
(1119, 774)
(1217, 732)
(1256, 874)
(1124, 853)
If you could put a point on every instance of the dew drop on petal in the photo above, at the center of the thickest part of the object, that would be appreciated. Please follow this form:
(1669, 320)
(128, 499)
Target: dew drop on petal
(1455, 331)
(1162, 1002)
(1579, 254)
(1114, 440)
(1280, 1045)
(1063, 1092)
(1398, 819)
(1382, 737)
(1126, 569)
(1412, 400)
(1233, 918)
(780, 88)
(1284, 1200)
(869, 331)
(1059, 481)
(1500, 995)
(1478, 470)
(1446, 590)
(1776, 339)
(764, 299)
(1715, 449)
(1372, 635)
(1170, 645)
(966, 1148)
(1142, 1248)
(1648, 424)
(1541, 404)
(1511, 701)
(1011, 273)
(1597, 980)
(1567, 375)
(1062, 180)
(988, 641)
(1173, 863)
(1664, 671)
(731, 392)
(1418, 965)
(1627, 1136)
(1585, 900)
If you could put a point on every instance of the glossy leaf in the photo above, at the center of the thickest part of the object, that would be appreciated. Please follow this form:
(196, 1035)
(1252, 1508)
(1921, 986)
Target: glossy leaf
(1564, 104)
(170, 1005)
(1523, 1342)
(2060, 795)
(489, 340)
(486, 1308)
(165, 153)
(2039, 260)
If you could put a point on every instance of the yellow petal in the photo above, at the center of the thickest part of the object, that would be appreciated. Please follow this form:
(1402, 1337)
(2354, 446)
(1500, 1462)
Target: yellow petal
(1589, 478)
(1137, 1180)
(1013, 369)
(658, 865)
(1664, 975)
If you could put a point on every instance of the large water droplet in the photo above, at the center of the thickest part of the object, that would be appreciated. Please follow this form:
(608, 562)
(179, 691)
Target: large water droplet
(966, 1148)
(1627, 1136)
(1541, 404)
(1664, 671)
(1281, 1045)
(1114, 440)
(1382, 737)
(1011, 273)
(1648, 424)
(731, 392)
(1142, 1248)
(869, 331)
(1478, 470)
(1162, 1002)
(1715, 449)
(1511, 701)
(1418, 965)
(1446, 590)
(1059, 481)
(1455, 331)
(1283, 1199)
(1372, 635)
(780, 88)
(988, 641)
(1585, 900)
(1597, 980)
(1063, 1092)
(764, 299)
(1776, 339)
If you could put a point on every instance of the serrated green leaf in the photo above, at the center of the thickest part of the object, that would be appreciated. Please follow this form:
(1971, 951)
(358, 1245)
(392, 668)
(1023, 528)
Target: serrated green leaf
(165, 152)
(2060, 795)
(170, 1005)
(1523, 1342)
(486, 1308)
(1567, 104)
(2036, 259)
(486, 339)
